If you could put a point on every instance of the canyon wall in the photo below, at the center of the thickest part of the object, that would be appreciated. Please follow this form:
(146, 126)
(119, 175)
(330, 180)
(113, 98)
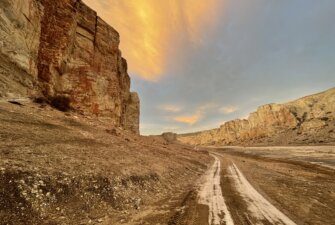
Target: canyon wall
(62, 49)
(307, 120)
(20, 30)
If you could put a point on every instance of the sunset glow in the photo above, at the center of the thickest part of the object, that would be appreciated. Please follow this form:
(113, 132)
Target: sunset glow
(190, 120)
(153, 32)
(196, 63)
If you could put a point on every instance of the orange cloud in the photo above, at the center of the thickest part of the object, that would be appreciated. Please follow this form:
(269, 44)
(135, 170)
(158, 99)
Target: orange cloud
(200, 112)
(153, 32)
(188, 119)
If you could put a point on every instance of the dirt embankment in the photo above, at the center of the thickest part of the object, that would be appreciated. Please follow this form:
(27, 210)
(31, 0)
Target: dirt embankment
(58, 168)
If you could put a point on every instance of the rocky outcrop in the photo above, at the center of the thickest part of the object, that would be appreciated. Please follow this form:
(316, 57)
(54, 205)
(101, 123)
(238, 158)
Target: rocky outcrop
(132, 117)
(20, 30)
(169, 137)
(307, 120)
(62, 49)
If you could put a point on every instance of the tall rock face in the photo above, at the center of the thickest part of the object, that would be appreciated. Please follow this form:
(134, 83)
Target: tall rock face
(63, 49)
(307, 120)
(132, 117)
(20, 28)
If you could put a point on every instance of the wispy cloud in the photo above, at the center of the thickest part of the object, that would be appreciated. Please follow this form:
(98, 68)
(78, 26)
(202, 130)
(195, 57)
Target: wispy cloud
(199, 114)
(170, 108)
(228, 109)
(152, 31)
(190, 120)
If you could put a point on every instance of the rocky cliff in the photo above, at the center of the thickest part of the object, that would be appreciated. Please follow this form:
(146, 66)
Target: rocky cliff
(63, 50)
(309, 120)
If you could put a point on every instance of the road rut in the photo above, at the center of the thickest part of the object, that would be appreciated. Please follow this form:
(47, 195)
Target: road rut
(258, 206)
(219, 213)
(211, 194)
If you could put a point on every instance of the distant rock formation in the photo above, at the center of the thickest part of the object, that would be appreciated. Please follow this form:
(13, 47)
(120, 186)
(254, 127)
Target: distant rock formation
(63, 49)
(169, 136)
(309, 120)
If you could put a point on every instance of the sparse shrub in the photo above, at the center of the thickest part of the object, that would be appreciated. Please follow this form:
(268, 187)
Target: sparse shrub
(61, 103)
(40, 100)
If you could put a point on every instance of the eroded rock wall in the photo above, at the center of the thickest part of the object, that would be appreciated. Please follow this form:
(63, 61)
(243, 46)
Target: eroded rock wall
(132, 117)
(20, 28)
(307, 120)
(63, 49)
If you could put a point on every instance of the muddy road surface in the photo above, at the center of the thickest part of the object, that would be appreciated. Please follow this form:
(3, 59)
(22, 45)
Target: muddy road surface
(263, 186)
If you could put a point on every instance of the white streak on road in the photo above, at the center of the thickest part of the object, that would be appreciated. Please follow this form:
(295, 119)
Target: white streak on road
(210, 194)
(259, 207)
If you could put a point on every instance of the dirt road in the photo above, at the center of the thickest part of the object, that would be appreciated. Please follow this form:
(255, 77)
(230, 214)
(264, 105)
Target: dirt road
(211, 195)
(243, 188)
(259, 208)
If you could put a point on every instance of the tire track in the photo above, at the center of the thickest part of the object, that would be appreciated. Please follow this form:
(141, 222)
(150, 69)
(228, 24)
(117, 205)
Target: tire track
(260, 208)
(210, 194)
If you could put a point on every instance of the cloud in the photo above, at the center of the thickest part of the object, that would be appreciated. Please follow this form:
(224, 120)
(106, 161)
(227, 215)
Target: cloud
(190, 120)
(170, 108)
(228, 109)
(247, 61)
(155, 32)
(199, 114)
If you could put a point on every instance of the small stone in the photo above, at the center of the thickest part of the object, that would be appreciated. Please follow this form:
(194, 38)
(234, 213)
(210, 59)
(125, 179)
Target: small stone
(137, 204)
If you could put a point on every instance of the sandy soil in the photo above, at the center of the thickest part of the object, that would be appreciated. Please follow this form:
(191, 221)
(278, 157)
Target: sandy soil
(258, 207)
(298, 190)
(265, 186)
(321, 155)
(67, 168)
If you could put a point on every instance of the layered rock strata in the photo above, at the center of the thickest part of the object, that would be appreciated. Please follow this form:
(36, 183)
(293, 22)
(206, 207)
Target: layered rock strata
(307, 120)
(63, 49)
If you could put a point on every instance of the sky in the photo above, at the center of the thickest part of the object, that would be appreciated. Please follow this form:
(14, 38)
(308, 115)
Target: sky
(197, 64)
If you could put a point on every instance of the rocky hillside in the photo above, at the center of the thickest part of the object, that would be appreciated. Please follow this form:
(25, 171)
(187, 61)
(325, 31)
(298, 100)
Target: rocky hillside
(67, 168)
(309, 120)
(62, 51)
